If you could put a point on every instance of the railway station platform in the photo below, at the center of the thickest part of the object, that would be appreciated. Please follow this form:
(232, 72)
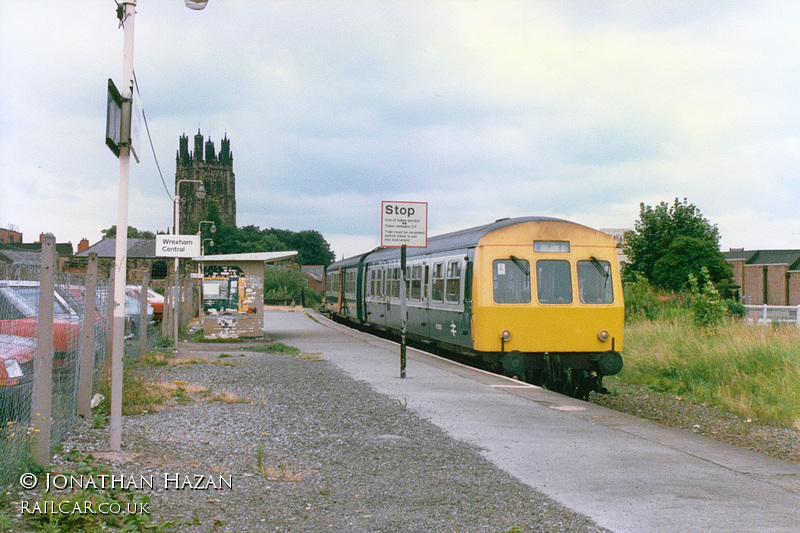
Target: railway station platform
(626, 474)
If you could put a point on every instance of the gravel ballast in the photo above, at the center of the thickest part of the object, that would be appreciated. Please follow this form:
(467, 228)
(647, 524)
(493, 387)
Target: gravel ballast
(310, 449)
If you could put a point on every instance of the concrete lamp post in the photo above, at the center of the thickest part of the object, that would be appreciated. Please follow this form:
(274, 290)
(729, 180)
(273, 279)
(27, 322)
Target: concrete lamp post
(199, 193)
(126, 13)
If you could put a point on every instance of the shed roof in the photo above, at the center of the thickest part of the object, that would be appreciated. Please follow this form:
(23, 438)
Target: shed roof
(266, 257)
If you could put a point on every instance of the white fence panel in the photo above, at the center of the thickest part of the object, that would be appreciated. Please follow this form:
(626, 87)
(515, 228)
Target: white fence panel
(768, 314)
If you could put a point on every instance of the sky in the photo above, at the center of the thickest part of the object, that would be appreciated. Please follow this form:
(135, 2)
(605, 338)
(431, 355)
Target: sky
(580, 110)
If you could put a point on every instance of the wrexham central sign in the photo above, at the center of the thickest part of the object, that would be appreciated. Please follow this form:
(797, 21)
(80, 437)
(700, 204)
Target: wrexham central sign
(177, 245)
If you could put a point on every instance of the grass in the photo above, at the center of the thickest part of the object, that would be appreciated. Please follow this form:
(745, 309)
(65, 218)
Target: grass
(275, 347)
(752, 371)
(285, 471)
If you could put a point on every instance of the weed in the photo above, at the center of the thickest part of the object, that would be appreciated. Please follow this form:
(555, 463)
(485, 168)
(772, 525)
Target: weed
(138, 394)
(155, 359)
(283, 472)
(98, 420)
(227, 397)
(195, 361)
(5, 523)
(134, 504)
(276, 348)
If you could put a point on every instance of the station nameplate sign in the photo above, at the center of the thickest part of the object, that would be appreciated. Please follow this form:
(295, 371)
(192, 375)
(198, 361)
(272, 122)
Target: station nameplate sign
(177, 245)
(404, 224)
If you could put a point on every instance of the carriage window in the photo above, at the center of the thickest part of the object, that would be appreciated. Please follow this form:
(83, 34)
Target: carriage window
(396, 283)
(554, 282)
(379, 283)
(453, 285)
(437, 289)
(416, 282)
(594, 282)
(350, 283)
(512, 281)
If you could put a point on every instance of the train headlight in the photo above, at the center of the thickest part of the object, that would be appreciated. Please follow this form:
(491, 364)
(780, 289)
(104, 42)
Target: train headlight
(506, 335)
(603, 335)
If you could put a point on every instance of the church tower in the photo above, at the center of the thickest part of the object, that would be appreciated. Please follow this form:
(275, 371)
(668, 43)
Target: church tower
(216, 173)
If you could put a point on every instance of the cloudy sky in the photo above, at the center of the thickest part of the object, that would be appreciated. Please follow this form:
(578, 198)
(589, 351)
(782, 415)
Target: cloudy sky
(484, 109)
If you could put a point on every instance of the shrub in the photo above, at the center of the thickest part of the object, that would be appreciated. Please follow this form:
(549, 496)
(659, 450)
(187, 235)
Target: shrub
(707, 305)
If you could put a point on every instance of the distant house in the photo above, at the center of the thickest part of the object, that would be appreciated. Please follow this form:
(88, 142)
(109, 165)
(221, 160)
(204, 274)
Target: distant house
(769, 277)
(315, 275)
(141, 255)
(23, 254)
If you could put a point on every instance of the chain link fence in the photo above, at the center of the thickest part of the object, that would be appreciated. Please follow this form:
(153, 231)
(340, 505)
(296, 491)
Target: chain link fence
(73, 334)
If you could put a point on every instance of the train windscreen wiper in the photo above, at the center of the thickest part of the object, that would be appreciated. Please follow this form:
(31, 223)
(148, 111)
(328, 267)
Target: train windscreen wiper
(519, 264)
(603, 272)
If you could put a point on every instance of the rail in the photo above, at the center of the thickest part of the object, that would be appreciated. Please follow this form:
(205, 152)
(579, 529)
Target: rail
(770, 314)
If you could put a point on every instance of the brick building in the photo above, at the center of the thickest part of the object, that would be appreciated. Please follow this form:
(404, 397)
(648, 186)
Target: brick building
(769, 277)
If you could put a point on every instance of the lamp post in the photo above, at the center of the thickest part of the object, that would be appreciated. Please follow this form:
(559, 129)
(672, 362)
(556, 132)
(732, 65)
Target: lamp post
(126, 13)
(200, 193)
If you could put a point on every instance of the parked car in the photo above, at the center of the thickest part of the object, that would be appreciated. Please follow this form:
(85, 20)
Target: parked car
(154, 300)
(16, 378)
(132, 307)
(19, 304)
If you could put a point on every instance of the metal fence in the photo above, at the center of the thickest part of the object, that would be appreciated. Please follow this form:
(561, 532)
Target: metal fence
(77, 337)
(773, 314)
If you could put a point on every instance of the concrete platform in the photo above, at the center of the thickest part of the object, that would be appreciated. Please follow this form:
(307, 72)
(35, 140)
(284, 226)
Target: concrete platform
(627, 474)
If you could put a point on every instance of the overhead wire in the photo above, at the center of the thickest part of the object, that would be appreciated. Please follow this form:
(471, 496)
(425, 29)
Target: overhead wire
(150, 138)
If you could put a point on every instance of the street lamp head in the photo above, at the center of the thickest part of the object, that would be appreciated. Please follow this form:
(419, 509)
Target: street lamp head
(200, 193)
(213, 228)
(197, 5)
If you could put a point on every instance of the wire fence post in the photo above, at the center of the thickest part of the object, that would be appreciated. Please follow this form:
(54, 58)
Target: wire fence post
(43, 358)
(88, 334)
(143, 313)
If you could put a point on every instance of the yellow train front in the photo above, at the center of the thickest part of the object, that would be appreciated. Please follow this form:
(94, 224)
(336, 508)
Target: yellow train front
(539, 297)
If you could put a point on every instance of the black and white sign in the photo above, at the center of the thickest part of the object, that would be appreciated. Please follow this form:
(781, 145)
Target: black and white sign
(404, 224)
(177, 245)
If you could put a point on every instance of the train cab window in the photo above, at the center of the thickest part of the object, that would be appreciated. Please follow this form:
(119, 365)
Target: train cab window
(453, 284)
(437, 287)
(594, 282)
(512, 281)
(554, 282)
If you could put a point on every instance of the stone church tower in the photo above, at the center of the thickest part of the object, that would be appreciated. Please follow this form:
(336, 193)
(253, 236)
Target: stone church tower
(216, 173)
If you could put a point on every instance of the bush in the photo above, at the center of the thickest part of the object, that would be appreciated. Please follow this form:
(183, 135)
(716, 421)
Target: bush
(707, 304)
(645, 302)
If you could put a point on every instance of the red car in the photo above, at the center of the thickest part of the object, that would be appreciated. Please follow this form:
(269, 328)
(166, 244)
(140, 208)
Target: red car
(154, 300)
(19, 302)
(16, 378)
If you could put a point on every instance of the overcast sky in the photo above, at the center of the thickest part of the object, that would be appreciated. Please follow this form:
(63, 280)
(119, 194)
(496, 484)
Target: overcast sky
(574, 109)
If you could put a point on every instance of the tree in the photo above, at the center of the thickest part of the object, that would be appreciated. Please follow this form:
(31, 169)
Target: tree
(685, 257)
(656, 230)
(133, 233)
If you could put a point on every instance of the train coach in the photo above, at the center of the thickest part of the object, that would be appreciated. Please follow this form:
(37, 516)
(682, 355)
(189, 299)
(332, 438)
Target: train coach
(538, 298)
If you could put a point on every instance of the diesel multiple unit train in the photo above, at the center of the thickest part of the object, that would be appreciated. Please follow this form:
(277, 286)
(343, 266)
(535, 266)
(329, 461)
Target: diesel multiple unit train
(538, 298)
